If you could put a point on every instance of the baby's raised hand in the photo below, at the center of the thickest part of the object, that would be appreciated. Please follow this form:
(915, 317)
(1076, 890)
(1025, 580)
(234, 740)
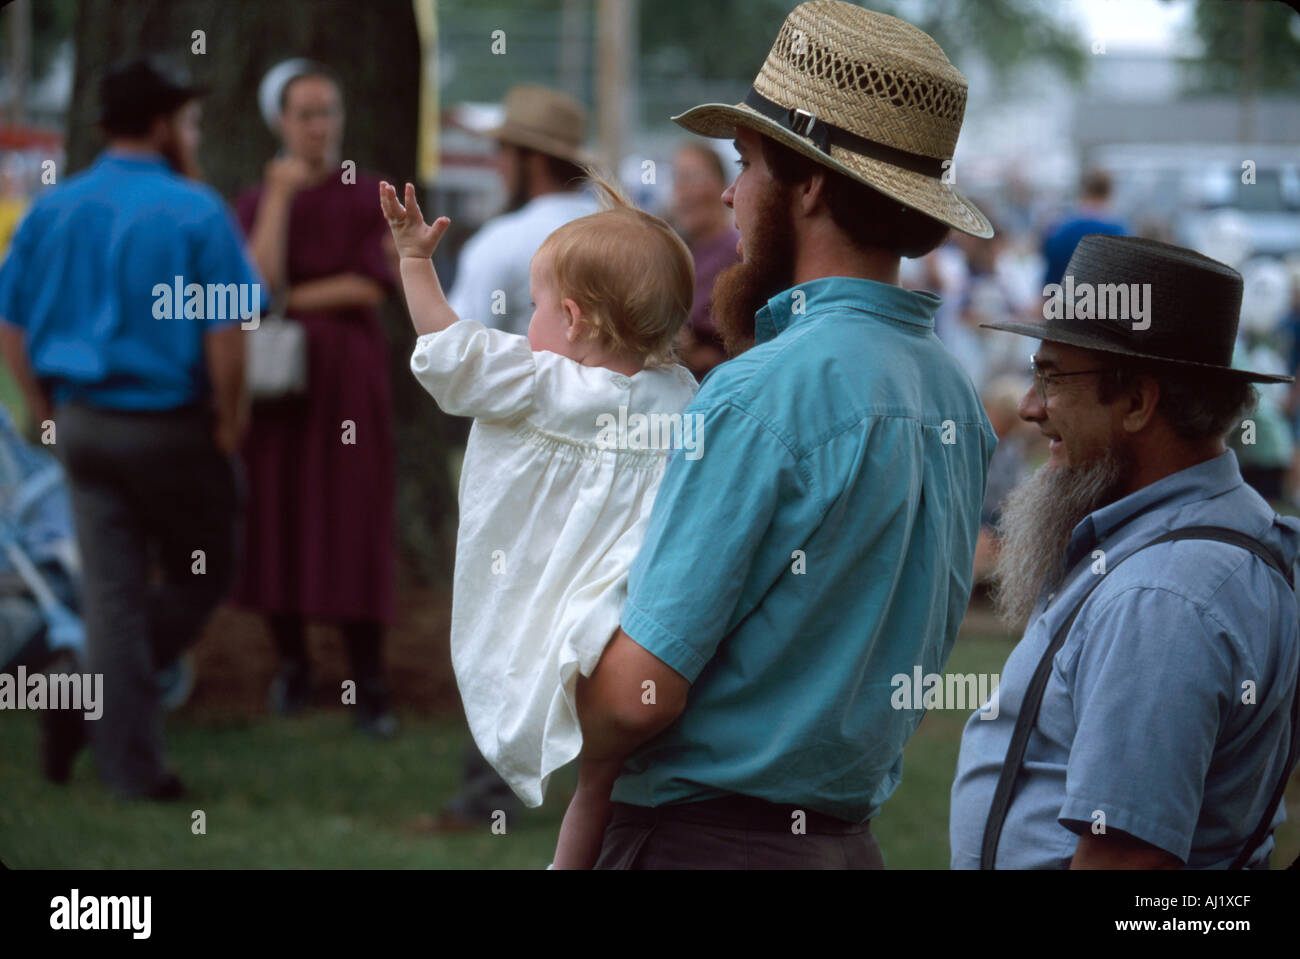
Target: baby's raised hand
(412, 236)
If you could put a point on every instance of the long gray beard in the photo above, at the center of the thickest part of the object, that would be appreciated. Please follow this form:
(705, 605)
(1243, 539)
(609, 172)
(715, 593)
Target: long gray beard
(1037, 519)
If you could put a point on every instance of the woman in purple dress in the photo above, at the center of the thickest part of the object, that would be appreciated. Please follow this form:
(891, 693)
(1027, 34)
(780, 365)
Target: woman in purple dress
(319, 534)
(699, 179)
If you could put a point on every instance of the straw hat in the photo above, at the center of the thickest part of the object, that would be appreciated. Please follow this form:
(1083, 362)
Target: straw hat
(864, 94)
(544, 120)
(1192, 307)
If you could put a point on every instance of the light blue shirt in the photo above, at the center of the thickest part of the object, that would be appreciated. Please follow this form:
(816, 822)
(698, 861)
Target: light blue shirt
(820, 545)
(1142, 719)
(81, 276)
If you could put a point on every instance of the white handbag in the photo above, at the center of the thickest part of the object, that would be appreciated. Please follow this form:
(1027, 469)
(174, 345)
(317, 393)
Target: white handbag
(276, 357)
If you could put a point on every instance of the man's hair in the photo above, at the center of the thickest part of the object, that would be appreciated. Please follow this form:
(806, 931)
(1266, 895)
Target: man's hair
(134, 93)
(1197, 406)
(867, 216)
(1096, 185)
(312, 69)
(565, 172)
(631, 274)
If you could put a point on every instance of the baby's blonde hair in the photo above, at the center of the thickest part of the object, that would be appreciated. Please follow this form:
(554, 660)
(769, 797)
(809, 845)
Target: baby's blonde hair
(630, 273)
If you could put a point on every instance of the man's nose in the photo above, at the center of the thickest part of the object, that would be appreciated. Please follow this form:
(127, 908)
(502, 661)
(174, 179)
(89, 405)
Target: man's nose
(1031, 408)
(728, 195)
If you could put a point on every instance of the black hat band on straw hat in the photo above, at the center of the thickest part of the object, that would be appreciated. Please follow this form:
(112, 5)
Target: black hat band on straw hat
(804, 124)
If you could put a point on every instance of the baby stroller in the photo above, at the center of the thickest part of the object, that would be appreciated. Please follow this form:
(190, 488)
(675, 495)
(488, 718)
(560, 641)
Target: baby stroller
(40, 625)
(38, 558)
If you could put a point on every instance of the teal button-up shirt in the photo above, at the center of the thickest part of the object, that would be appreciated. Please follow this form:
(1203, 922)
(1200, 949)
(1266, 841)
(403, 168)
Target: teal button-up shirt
(817, 543)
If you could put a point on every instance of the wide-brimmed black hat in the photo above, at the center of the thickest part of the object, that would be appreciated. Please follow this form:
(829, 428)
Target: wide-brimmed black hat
(133, 92)
(1190, 305)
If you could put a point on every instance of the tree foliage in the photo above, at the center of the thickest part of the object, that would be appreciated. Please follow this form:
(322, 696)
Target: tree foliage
(1254, 43)
(51, 25)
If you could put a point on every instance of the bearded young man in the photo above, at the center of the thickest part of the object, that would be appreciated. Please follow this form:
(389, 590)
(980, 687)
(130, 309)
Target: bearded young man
(822, 543)
(1147, 719)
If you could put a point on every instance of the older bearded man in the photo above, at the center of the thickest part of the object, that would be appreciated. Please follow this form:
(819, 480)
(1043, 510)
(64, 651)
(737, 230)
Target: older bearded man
(1147, 719)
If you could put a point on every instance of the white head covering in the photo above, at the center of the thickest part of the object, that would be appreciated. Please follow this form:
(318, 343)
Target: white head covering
(273, 84)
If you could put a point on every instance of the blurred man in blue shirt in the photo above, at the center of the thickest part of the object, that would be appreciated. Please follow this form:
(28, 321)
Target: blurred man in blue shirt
(121, 303)
(1092, 214)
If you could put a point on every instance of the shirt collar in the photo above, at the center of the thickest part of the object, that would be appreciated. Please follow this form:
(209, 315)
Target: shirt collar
(842, 292)
(1200, 482)
(144, 161)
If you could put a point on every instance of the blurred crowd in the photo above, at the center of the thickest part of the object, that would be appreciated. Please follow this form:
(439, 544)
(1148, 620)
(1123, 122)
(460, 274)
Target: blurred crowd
(1004, 278)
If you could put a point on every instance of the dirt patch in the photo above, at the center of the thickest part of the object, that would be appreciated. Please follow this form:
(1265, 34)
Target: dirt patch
(235, 659)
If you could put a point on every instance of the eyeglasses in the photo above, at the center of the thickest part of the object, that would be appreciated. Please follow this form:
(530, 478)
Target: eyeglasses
(1041, 378)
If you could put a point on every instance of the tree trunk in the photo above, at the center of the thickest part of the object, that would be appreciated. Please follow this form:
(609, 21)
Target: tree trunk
(374, 48)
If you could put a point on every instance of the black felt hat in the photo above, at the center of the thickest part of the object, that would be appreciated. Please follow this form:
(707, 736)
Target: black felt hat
(133, 92)
(1191, 306)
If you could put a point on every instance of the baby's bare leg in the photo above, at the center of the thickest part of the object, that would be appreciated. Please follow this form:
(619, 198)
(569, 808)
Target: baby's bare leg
(583, 829)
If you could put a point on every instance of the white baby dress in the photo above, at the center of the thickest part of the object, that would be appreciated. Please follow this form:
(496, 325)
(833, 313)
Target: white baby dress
(549, 525)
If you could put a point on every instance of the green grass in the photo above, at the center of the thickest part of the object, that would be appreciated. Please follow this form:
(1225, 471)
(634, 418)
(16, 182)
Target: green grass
(309, 793)
(312, 793)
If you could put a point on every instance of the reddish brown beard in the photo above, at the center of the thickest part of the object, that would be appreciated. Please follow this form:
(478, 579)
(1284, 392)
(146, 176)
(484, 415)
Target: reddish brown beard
(742, 290)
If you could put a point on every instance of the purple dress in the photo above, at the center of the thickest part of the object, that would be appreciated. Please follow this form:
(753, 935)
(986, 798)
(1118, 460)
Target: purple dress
(319, 534)
(711, 258)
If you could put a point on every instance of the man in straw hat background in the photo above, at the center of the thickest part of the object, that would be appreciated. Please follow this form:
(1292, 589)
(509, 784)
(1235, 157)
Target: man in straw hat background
(540, 160)
(540, 156)
(1154, 724)
(822, 543)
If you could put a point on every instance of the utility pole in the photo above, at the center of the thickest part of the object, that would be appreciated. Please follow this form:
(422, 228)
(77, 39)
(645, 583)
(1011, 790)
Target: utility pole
(1249, 55)
(614, 32)
(20, 30)
(573, 49)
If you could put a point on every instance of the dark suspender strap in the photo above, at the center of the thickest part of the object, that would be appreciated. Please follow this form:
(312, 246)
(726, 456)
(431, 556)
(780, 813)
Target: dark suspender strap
(805, 124)
(1034, 698)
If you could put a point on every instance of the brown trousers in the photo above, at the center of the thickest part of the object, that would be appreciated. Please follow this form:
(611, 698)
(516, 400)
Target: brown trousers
(737, 832)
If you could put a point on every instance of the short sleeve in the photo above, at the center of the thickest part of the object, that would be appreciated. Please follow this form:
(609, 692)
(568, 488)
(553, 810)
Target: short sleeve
(222, 260)
(474, 371)
(686, 586)
(1148, 688)
(14, 270)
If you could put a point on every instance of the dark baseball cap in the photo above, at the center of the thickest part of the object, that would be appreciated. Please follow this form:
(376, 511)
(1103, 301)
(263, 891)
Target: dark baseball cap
(132, 93)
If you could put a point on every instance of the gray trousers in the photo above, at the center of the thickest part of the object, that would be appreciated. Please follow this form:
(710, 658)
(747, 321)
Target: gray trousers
(149, 489)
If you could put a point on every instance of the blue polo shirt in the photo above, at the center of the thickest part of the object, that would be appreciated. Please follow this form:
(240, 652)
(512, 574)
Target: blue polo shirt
(820, 544)
(1144, 717)
(82, 275)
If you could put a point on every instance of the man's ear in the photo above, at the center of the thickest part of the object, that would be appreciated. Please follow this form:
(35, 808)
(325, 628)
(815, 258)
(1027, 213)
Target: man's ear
(812, 193)
(574, 322)
(1141, 400)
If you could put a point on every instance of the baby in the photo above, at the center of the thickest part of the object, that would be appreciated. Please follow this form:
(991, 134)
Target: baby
(552, 510)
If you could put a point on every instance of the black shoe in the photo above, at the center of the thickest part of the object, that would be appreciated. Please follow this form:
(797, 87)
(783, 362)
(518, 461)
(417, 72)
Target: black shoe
(63, 731)
(374, 714)
(63, 734)
(291, 690)
(169, 789)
